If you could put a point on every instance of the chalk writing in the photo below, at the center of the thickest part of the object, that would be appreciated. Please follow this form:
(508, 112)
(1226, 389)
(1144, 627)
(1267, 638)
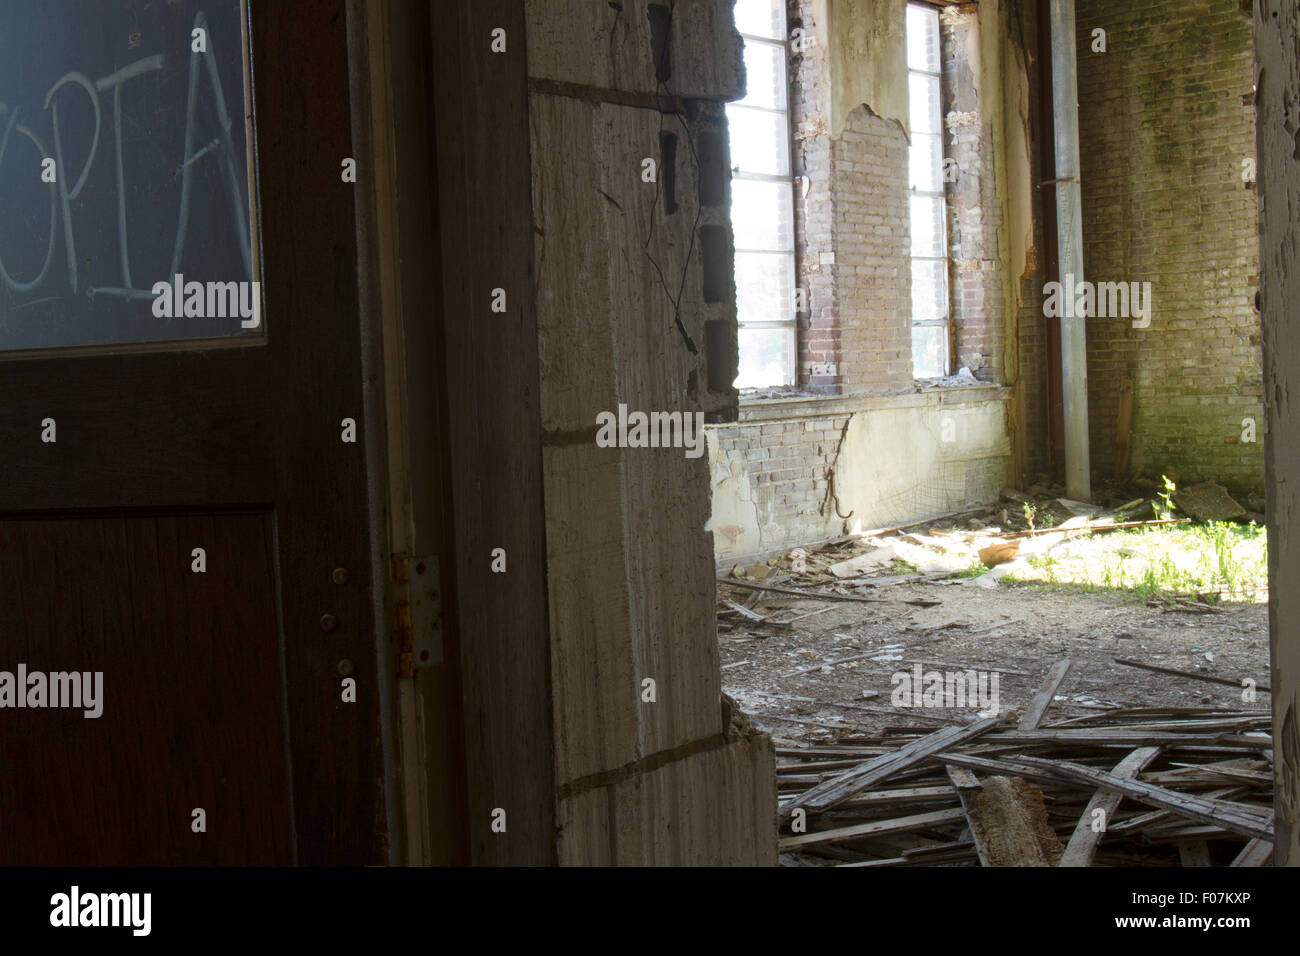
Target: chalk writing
(149, 183)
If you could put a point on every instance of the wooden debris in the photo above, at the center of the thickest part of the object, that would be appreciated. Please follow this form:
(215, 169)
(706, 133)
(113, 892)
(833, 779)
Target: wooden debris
(796, 592)
(851, 782)
(978, 795)
(1043, 699)
(1128, 662)
(916, 822)
(1255, 853)
(1083, 843)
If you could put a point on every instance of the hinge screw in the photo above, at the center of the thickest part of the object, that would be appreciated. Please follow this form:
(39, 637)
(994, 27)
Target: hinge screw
(328, 622)
(345, 667)
(340, 575)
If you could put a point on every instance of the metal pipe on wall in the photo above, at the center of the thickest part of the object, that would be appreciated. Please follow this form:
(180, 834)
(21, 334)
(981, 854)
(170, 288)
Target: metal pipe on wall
(1069, 237)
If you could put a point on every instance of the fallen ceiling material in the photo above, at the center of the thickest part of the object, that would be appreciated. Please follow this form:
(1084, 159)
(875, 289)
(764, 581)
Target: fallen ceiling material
(1143, 786)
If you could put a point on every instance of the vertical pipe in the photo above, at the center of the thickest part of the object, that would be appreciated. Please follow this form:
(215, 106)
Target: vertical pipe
(1069, 240)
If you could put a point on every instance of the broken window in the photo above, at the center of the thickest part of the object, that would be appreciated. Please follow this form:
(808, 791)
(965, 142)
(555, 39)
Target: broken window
(930, 303)
(762, 201)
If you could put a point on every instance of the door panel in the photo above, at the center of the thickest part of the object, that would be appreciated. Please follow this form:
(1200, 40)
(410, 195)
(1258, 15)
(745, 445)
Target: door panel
(234, 674)
(191, 699)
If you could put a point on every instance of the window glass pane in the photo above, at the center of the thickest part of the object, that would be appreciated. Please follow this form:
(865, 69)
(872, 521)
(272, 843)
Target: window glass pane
(927, 226)
(764, 287)
(929, 289)
(925, 162)
(153, 181)
(766, 358)
(762, 18)
(929, 351)
(922, 38)
(765, 75)
(924, 107)
(759, 141)
(762, 215)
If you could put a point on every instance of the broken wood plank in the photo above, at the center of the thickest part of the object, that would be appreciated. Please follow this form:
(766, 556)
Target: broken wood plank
(849, 783)
(1043, 699)
(1128, 662)
(1095, 528)
(901, 824)
(967, 784)
(744, 611)
(1008, 821)
(796, 592)
(1083, 842)
(1256, 852)
(877, 532)
(1211, 812)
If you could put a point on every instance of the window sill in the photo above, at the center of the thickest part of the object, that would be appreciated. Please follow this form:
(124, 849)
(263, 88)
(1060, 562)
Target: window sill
(806, 405)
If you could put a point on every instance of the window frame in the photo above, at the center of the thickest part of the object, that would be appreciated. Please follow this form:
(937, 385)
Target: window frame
(946, 322)
(788, 325)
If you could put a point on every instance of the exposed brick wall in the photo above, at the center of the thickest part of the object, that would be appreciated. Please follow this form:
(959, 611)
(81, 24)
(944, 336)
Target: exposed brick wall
(1163, 130)
(872, 236)
(788, 463)
(853, 236)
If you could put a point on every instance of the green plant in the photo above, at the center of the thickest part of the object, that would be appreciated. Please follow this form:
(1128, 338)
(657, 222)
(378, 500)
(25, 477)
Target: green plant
(1167, 499)
(1030, 514)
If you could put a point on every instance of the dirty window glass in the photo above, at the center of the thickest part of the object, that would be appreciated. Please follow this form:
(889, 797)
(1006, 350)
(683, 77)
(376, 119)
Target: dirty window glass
(125, 211)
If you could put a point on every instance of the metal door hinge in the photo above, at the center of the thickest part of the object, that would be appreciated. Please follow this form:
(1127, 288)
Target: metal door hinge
(419, 613)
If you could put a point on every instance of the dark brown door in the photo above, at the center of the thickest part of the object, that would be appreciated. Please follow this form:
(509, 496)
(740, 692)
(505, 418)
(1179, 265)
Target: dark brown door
(183, 500)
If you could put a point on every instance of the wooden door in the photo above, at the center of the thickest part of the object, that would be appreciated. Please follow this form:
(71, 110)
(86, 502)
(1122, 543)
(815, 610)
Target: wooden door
(183, 499)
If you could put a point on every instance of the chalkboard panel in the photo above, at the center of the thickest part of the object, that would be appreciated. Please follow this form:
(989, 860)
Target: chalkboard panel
(124, 163)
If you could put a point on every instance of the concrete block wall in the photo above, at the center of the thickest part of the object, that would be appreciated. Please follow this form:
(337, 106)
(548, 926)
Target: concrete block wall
(630, 566)
(1166, 120)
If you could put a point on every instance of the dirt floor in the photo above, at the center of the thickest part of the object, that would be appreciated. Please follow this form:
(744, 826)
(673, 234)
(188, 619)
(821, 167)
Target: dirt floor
(798, 683)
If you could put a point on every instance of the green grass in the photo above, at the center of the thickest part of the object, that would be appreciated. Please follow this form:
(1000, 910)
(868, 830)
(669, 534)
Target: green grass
(1216, 561)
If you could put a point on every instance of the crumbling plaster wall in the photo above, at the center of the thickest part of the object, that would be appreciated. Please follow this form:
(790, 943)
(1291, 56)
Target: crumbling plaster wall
(821, 470)
(1277, 104)
(630, 566)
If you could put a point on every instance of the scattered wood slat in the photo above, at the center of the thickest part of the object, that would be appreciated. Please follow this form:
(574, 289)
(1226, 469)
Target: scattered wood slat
(796, 592)
(1083, 843)
(1211, 812)
(1128, 662)
(834, 791)
(1043, 699)
(897, 825)
(1255, 853)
